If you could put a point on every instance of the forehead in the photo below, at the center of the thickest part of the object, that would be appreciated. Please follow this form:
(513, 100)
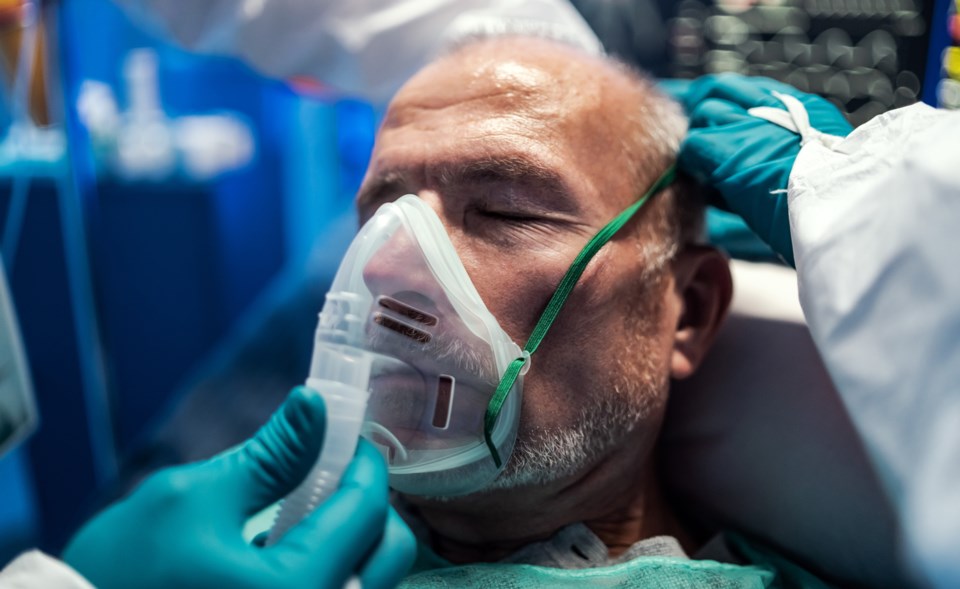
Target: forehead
(488, 79)
(517, 99)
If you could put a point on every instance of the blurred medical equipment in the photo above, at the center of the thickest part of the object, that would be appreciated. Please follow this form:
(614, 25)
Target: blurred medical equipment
(44, 250)
(632, 30)
(18, 34)
(20, 126)
(23, 142)
(18, 408)
(171, 264)
(866, 57)
(948, 62)
(26, 150)
(144, 143)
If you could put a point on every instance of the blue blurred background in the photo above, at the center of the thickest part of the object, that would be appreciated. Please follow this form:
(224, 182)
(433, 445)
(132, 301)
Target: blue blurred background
(131, 277)
(124, 282)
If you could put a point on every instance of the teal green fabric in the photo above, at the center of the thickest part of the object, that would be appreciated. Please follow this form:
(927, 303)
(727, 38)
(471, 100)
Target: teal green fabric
(432, 572)
(766, 571)
(645, 572)
(183, 527)
(747, 160)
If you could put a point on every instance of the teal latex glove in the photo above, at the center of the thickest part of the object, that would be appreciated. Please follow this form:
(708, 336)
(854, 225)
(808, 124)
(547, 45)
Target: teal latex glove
(747, 160)
(182, 528)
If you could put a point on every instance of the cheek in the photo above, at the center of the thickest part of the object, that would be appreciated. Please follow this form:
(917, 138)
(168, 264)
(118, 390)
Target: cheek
(515, 287)
(612, 330)
(612, 338)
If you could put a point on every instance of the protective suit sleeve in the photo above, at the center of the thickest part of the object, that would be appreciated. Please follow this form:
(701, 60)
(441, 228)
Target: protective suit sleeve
(875, 224)
(363, 47)
(35, 570)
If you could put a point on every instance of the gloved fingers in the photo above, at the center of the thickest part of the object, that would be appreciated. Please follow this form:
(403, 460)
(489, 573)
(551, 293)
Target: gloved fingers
(740, 90)
(748, 92)
(714, 112)
(344, 530)
(701, 153)
(272, 463)
(392, 558)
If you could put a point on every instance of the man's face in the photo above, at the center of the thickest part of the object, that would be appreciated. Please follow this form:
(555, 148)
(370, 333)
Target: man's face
(519, 153)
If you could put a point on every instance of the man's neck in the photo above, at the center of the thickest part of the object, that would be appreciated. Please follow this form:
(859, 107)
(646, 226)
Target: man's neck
(619, 500)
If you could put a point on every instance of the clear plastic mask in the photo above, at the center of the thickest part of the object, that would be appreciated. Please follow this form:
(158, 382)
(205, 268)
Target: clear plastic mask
(404, 322)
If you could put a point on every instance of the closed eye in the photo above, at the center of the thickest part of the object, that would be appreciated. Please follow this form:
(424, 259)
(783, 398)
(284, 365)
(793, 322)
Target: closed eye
(511, 217)
(509, 228)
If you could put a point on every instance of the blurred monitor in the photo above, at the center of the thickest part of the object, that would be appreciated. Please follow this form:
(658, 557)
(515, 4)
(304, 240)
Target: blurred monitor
(946, 65)
(865, 56)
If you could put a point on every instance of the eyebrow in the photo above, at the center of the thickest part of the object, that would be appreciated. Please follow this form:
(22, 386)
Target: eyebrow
(512, 169)
(380, 188)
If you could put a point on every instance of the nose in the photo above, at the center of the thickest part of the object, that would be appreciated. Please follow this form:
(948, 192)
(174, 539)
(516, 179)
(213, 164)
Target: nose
(399, 270)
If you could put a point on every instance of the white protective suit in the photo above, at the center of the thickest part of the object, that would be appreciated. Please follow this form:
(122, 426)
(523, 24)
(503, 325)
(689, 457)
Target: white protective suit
(875, 223)
(363, 47)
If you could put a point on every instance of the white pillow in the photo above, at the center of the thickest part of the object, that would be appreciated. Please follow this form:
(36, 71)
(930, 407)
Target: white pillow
(758, 441)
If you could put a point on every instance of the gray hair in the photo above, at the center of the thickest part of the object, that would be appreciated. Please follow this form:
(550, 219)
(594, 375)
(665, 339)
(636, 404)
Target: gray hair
(653, 133)
(554, 21)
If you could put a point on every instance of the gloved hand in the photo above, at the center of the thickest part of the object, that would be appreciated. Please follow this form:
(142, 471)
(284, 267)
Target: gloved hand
(747, 159)
(182, 527)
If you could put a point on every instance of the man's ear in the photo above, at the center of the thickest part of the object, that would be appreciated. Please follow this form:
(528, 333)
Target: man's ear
(705, 287)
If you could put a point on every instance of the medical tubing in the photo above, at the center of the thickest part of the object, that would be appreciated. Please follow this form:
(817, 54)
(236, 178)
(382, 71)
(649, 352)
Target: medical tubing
(341, 375)
(346, 406)
(553, 307)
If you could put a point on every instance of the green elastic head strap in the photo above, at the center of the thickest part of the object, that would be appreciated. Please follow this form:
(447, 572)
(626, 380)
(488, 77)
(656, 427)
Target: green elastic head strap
(556, 303)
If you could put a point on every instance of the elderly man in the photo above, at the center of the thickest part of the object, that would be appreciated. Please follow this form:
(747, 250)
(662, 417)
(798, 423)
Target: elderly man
(525, 148)
(513, 190)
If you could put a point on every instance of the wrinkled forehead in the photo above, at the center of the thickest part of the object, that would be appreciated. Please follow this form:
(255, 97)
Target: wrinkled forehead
(506, 97)
(489, 79)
